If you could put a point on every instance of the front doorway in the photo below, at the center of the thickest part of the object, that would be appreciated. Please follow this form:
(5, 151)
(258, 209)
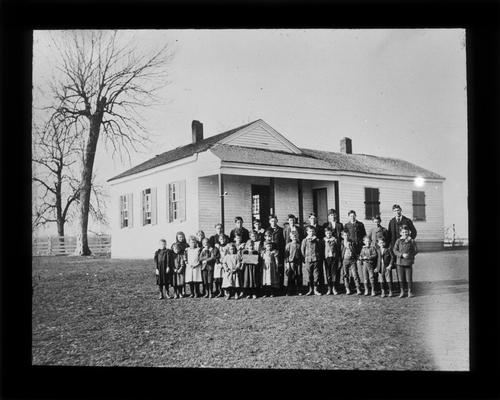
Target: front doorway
(320, 205)
(261, 204)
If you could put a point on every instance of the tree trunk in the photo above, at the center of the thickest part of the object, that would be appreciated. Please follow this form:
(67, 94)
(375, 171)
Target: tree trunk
(86, 182)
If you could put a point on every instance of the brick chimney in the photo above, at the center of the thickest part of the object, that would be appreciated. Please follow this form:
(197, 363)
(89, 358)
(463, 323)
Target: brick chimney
(346, 145)
(197, 128)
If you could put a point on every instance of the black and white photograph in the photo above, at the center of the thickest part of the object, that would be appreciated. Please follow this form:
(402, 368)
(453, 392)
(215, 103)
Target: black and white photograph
(250, 198)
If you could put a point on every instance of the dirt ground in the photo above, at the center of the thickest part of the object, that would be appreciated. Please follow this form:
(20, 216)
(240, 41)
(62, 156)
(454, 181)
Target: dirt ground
(104, 312)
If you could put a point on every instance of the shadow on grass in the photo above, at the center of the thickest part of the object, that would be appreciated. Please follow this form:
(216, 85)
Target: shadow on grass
(441, 287)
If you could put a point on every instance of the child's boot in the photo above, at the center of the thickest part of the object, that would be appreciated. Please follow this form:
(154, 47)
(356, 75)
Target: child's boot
(358, 290)
(402, 294)
(316, 291)
(329, 291)
(346, 284)
(160, 297)
(366, 290)
(410, 294)
(382, 292)
(390, 289)
(373, 291)
(310, 292)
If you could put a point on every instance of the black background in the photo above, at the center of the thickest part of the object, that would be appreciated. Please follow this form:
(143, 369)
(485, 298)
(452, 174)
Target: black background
(21, 380)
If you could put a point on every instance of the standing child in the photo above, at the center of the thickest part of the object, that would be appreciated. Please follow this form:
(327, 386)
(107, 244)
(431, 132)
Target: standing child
(200, 235)
(385, 261)
(180, 239)
(179, 266)
(193, 267)
(231, 265)
(349, 263)
(207, 259)
(163, 264)
(311, 251)
(270, 277)
(293, 264)
(405, 251)
(223, 249)
(250, 260)
(368, 258)
(331, 260)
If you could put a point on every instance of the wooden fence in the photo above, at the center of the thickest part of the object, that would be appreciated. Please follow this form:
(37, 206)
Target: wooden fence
(60, 246)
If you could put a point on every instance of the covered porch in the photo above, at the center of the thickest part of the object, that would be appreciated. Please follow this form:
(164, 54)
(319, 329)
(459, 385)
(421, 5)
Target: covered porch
(252, 193)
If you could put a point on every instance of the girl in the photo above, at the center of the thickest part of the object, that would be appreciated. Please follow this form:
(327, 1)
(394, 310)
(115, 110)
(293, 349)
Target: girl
(249, 268)
(368, 258)
(207, 259)
(200, 235)
(405, 250)
(193, 268)
(223, 249)
(259, 231)
(231, 265)
(270, 277)
(163, 263)
(179, 266)
(180, 239)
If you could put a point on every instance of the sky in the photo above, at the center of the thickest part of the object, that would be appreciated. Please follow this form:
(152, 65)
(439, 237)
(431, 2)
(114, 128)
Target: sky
(397, 93)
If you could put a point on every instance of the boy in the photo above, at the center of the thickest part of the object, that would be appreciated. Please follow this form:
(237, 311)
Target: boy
(179, 266)
(349, 267)
(293, 265)
(311, 252)
(396, 223)
(385, 261)
(378, 231)
(405, 251)
(292, 227)
(335, 225)
(239, 229)
(357, 232)
(331, 260)
(368, 258)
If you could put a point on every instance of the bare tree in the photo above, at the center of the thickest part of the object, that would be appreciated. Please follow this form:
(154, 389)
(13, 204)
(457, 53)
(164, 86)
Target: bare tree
(55, 152)
(55, 155)
(104, 82)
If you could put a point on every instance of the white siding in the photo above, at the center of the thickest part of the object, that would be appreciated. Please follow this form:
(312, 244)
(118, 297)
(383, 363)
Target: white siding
(258, 137)
(352, 196)
(286, 199)
(209, 203)
(141, 241)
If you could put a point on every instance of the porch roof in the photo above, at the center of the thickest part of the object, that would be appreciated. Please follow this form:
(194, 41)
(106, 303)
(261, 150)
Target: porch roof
(324, 160)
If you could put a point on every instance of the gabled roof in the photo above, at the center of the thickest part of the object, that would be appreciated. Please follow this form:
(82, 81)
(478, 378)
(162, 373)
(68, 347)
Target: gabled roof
(179, 153)
(361, 163)
(309, 158)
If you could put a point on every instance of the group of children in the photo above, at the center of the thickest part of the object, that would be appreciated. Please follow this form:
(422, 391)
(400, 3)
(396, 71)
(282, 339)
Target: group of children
(270, 262)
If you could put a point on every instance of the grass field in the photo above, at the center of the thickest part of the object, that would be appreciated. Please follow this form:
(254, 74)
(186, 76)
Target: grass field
(104, 312)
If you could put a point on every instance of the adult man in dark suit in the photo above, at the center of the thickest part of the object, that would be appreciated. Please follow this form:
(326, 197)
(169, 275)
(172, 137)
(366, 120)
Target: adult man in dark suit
(396, 223)
(279, 244)
(335, 225)
(292, 225)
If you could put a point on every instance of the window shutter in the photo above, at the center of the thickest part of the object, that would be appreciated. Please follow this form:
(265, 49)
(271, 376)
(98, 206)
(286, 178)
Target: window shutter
(143, 211)
(182, 203)
(130, 210)
(153, 206)
(169, 203)
(120, 210)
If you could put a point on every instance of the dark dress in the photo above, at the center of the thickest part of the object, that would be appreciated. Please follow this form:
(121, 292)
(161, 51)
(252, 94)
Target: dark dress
(250, 271)
(207, 272)
(245, 235)
(163, 262)
(179, 267)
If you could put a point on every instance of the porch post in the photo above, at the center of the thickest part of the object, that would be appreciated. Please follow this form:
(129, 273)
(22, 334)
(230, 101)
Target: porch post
(221, 197)
(337, 203)
(301, 206)
(271, 195)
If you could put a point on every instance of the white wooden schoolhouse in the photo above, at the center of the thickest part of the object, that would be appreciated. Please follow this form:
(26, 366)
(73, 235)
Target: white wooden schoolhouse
(253, 171)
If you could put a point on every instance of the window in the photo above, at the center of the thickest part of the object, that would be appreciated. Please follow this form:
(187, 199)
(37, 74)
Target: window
(418, 205)
(149, 206)
(176, 201)
(372, 203)
(126, 210)
(255, 206)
